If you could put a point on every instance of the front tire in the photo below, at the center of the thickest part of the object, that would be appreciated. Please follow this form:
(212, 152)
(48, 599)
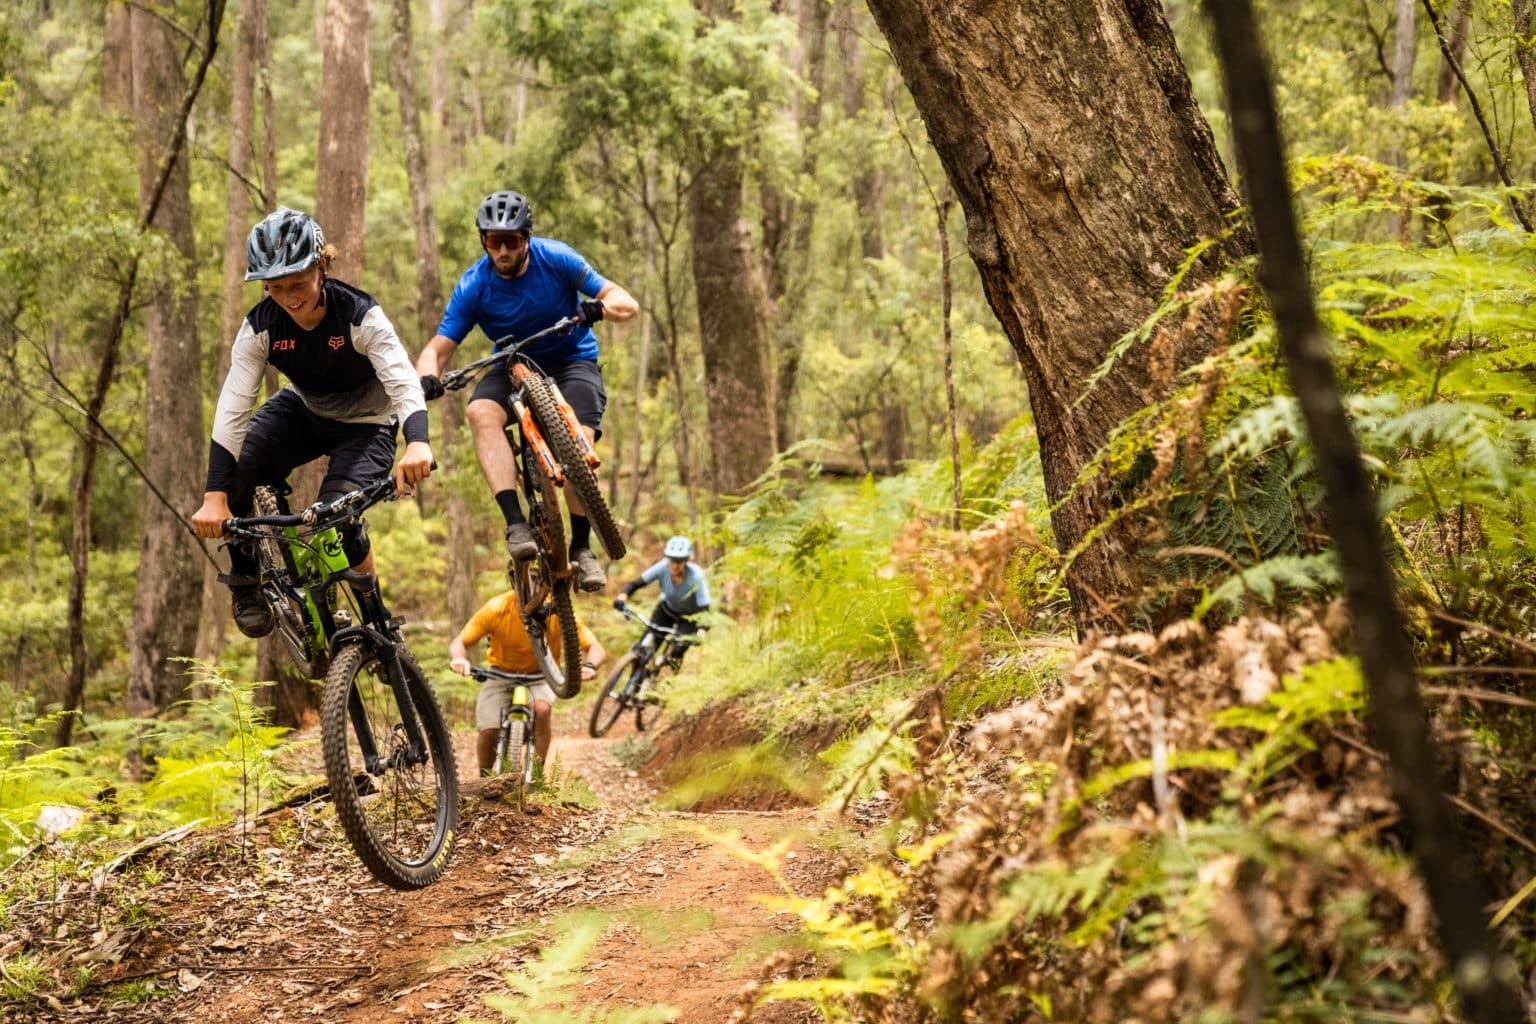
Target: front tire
(610, 702)
(400, 818)
(571, 458)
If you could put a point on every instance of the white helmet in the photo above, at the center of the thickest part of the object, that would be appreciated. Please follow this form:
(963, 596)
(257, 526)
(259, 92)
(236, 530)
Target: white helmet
(679, 547)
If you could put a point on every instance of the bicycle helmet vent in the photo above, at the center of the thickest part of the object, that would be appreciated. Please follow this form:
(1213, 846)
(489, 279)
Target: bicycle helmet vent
(284, 242)
(678, 547)
(505, 211)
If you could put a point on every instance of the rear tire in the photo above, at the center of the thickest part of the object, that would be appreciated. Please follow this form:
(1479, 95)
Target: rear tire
(610, 704)
(401, 819)
(569, 454)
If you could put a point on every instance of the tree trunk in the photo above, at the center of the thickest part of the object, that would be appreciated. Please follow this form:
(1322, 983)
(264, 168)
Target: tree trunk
(461, 540)
(1486, 979)
(1456, 37)
(867, 183)
(237, 216)
(269, 181)
(733, 327)
(170, 576)
(1525, 52)
(117, 59)
(341, 191)
(1085, 170)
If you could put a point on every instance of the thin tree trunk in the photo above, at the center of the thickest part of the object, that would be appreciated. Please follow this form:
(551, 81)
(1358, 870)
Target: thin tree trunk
(1085, 169)
(341, 193)
(945, 202)
(461, 541)
(170, 577)
(1485, 978)
(85, 482)
(117, 59)
(1402, 90)
(269, 182)
(1456, 43)
(867, 182)
(1525, 52)
(237, 214)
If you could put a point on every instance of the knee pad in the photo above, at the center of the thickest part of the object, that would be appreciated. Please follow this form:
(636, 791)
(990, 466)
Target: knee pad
(354, 540)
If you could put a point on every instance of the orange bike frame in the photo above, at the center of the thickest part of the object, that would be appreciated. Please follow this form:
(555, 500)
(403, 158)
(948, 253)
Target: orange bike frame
(536, 441)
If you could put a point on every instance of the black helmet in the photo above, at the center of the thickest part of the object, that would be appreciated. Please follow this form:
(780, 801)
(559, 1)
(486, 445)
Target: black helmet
(505, 211)
(284, 242)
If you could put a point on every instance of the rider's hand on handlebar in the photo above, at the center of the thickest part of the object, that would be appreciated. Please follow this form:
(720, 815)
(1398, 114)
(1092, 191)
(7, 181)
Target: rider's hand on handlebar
(432, 386)
(591, 311)
(208, 521)
(414, 466)
(619, 603)
(460, 665)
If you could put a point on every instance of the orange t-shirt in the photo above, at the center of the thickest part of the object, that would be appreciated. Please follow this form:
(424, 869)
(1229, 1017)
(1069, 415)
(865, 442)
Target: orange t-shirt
(511, 647)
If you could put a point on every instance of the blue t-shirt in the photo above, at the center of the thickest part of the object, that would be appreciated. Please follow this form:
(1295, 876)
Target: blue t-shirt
(550, 288)
(685, 598)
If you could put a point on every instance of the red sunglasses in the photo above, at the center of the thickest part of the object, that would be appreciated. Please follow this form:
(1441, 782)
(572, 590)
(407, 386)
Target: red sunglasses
(513, 241)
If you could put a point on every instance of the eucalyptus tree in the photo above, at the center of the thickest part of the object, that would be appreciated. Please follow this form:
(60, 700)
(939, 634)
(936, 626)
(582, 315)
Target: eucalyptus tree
(672, 101)
(1086, 172)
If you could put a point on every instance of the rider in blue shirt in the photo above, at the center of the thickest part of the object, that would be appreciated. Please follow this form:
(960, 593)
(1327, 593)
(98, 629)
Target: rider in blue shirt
(684, 589)
(520, 286)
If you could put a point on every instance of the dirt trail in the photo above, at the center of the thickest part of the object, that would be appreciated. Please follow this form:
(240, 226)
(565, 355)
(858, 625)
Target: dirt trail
(599, 910)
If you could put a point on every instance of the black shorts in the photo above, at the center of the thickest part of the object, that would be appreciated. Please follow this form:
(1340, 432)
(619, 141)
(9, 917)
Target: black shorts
(581, 383)
(285, 434)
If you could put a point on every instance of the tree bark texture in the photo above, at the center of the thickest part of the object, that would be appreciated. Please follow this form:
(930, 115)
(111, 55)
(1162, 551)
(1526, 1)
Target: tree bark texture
(868, 182)
(237, 218)
(1525, 51)
(460, 579)
(117, 58)
(1085, 169)
(1456, 39)
(341, 188)
(1486, 980)
(170, 571)
(733, 327)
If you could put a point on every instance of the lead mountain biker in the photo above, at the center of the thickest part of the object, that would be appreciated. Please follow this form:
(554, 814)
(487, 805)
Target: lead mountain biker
(511, 650)
(350, 386)
(521, 285)
(684, 590)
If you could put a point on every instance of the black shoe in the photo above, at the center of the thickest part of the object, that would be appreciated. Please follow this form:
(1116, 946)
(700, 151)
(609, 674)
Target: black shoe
(251, 612)
(520, 543)
(589, 574)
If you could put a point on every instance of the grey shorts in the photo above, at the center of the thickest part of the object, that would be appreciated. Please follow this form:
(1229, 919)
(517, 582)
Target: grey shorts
(581, 382)
(495, 693)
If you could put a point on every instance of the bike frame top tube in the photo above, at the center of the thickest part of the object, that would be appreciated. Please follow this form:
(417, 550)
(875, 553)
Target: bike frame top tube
(452, 378)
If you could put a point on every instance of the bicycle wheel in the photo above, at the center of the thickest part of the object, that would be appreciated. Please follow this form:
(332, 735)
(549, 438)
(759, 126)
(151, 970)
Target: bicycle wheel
(570, 640)
(516, 735)
(276, 561)
(648, 705)
(400, 816)
(544, 505)
(612, 701)
(568, 453)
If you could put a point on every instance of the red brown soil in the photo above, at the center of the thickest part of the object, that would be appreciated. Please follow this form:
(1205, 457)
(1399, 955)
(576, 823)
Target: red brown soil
(285, 925)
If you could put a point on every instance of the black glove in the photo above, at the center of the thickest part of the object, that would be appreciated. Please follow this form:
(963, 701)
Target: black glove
(591, 311)
(620, 604)
(432, 386)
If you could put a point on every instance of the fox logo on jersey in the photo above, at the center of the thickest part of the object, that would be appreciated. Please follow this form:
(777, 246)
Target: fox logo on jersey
(337, 341)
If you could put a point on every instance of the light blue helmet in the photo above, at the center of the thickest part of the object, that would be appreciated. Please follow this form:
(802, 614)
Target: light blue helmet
(679, 547)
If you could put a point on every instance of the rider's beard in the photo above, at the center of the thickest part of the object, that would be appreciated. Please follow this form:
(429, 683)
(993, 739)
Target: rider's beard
(516, 268)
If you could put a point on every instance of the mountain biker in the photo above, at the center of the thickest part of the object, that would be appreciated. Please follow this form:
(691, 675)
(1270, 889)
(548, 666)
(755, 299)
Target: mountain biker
(350, 387)
(511, 650)
(684, 591)
(521, 285)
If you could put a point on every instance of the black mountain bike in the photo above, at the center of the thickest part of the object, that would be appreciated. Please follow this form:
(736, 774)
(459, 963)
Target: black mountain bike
(633, 682)
(388, 756)
(550, 450)
(514, 737)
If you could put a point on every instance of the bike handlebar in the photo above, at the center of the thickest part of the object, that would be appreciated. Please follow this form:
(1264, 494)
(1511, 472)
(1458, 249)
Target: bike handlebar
(453, 380)
(672, 631)
(484, 674)
(321, 513)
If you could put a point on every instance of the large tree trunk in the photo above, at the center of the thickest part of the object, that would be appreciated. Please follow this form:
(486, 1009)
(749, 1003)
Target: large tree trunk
(341, 191)
(461, 540)
(117, 58)
(237, 216)
(733, 327)
(170, 577)
(1525, 52)
(1072, 138)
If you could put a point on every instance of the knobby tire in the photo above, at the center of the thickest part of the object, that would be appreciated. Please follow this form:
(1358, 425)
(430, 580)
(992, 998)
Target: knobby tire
(570, 639)
(541, 400)
(275, 559)
(517, 763)
(403, 821)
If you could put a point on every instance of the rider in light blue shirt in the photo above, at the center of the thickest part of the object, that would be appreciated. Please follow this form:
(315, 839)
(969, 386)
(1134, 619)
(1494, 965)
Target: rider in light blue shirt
(684, 588)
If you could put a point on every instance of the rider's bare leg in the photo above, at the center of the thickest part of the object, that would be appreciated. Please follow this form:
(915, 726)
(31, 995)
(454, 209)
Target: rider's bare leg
(542, 732)
(485, 749)
(487, 424)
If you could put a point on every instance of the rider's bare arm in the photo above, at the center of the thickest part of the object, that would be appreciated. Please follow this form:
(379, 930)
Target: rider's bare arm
(436, 356)
(618, 304)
